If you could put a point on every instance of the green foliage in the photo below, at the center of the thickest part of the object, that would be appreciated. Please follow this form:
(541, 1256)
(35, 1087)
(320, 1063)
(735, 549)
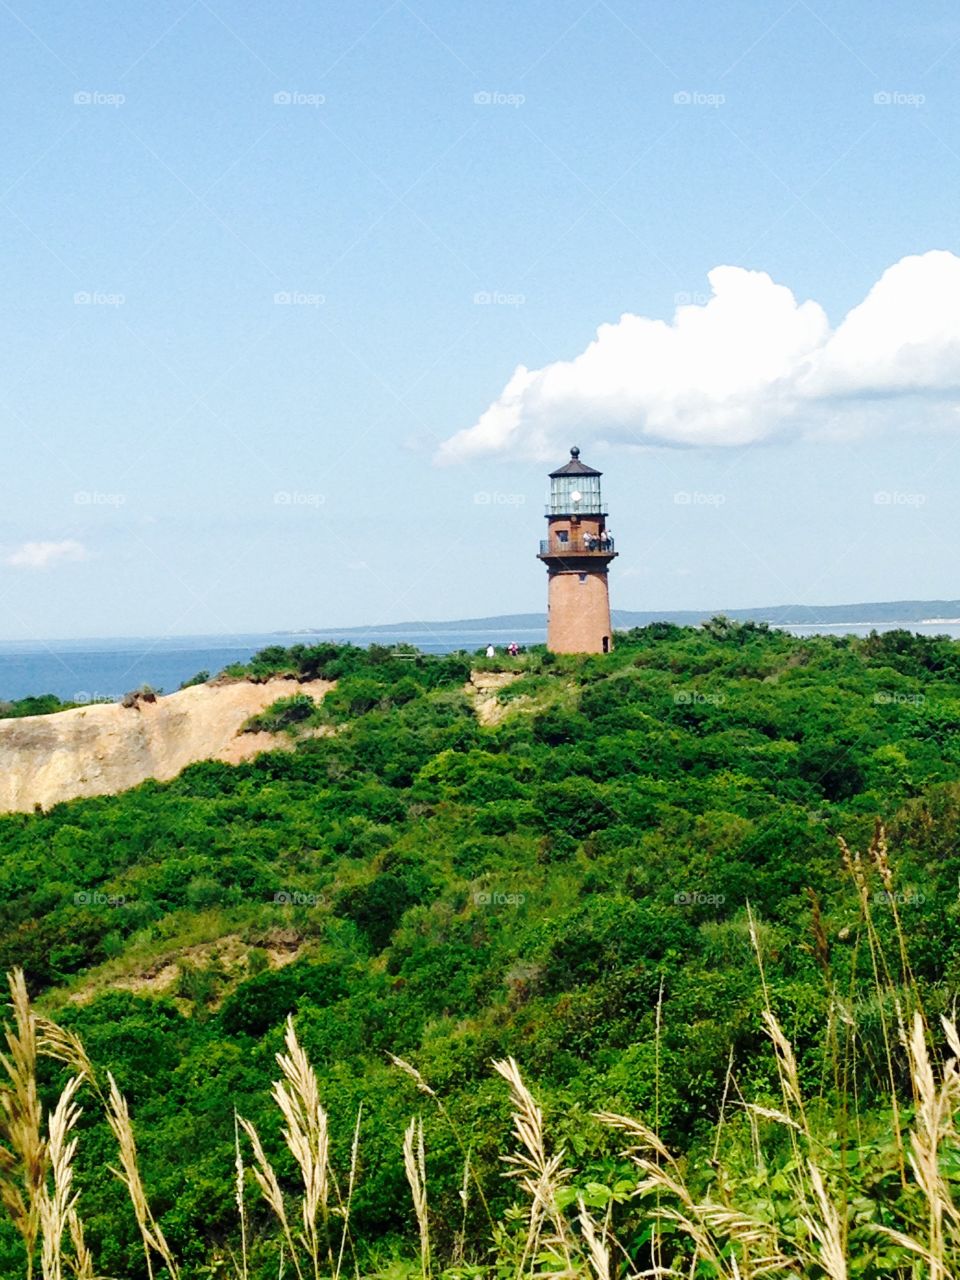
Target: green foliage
(200, 984)
(44, 704)
(554, 886)
(200, 678)
(266, 999)
(290, 714)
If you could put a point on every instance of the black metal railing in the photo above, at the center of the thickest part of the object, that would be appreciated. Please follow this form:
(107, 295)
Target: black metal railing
(576, 509)
(583, 545)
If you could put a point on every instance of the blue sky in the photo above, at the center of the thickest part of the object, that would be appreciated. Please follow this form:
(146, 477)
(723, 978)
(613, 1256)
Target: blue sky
(268, 267)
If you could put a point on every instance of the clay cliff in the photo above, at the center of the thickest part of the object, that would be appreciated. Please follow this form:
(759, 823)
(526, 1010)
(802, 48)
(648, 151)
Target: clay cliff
(105, 748)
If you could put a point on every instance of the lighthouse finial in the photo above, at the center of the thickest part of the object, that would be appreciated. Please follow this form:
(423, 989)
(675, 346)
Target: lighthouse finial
(574, 452)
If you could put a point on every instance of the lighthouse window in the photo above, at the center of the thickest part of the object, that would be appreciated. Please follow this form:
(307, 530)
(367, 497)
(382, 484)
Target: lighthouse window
(562, 535)
(582, 577)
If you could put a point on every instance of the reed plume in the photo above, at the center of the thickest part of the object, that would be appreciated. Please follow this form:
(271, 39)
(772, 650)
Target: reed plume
(414, 1163)
(151, 1233)
(23, 1154)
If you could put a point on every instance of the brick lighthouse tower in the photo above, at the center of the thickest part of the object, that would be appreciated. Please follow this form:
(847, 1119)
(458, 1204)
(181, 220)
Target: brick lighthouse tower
(577, 552)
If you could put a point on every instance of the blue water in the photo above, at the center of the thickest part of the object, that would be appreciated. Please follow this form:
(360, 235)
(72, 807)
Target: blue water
(104, 670)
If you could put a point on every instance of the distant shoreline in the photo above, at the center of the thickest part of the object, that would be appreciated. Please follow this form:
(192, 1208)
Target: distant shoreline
(104, 669)
(885, 614)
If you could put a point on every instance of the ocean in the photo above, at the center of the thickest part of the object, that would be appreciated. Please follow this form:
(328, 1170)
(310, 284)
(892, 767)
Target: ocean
(104, 670)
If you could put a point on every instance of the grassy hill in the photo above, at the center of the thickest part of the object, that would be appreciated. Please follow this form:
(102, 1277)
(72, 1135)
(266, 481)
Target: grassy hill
(616, 880)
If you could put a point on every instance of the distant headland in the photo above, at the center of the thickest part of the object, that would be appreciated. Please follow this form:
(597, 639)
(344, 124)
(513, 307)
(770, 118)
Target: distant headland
(883, 613)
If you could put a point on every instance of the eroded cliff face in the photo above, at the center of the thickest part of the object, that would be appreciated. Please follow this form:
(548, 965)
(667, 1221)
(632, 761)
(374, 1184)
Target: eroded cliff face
(105, 748)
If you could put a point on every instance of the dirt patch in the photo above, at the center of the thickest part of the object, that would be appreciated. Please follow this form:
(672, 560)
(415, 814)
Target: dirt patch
(159, 978)
(483, 690)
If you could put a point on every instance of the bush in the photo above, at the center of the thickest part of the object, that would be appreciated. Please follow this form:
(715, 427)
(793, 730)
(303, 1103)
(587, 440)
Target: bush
(286, 714)
(266, 999)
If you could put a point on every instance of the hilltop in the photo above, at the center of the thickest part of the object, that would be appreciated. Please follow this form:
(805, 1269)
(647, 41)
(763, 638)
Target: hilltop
(546, 857)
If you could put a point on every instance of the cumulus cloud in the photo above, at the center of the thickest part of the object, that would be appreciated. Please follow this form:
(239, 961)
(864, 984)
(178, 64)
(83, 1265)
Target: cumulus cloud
(749, 363)
(43, 555)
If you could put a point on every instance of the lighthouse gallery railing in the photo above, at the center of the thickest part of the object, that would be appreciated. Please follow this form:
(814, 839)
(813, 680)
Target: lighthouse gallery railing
(578, 546)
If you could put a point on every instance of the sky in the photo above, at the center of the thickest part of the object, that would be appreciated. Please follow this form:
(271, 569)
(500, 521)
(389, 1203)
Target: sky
(302, 302)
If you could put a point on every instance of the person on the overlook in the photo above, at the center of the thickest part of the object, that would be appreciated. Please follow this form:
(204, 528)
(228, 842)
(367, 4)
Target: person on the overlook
(491, 651)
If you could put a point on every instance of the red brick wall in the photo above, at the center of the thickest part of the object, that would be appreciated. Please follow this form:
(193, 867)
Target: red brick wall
(578, 613)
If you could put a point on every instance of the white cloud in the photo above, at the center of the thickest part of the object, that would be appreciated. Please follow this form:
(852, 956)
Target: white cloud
(746, 365)
(43, 555)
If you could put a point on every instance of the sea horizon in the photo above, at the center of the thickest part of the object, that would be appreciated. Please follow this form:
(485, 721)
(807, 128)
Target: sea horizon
(104, 668)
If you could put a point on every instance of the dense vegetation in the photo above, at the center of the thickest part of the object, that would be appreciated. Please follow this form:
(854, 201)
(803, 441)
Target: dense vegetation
(43, 704)
(567, 884)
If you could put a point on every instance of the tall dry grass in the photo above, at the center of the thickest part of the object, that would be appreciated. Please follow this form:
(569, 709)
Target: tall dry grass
(722, 1233)
(415, 1166)
(151, 1233)
(36, 1156)
(319, 1245)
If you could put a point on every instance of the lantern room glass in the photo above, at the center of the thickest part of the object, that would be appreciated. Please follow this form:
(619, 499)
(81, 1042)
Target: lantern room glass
(575, 495)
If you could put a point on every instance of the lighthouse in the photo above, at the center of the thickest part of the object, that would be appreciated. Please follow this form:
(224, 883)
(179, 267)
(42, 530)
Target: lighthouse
(577, 552)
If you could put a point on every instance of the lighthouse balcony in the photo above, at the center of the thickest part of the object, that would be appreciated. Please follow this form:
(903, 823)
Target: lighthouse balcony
(563, 506)
(579, 546)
